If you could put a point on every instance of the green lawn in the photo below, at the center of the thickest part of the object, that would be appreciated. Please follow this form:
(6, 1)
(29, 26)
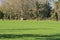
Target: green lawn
(29, 27)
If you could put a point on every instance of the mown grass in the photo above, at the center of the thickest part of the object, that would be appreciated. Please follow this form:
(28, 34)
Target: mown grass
(29, 27)
(29, 30)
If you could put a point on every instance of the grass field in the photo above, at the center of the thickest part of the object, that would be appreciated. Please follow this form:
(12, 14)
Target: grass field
(29, 30)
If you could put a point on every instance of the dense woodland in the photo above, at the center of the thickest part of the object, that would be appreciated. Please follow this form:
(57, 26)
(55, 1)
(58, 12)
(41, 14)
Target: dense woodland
(26, 9)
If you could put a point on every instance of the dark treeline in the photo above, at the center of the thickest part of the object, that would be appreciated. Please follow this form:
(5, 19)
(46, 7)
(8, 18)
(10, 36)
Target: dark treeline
(30, 9)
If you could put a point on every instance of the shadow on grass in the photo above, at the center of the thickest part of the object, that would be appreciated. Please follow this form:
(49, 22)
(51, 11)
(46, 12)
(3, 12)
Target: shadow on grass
(36, 36)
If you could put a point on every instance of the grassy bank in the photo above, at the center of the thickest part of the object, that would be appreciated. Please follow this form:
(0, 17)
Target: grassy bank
(29, 30)
(29, 27)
